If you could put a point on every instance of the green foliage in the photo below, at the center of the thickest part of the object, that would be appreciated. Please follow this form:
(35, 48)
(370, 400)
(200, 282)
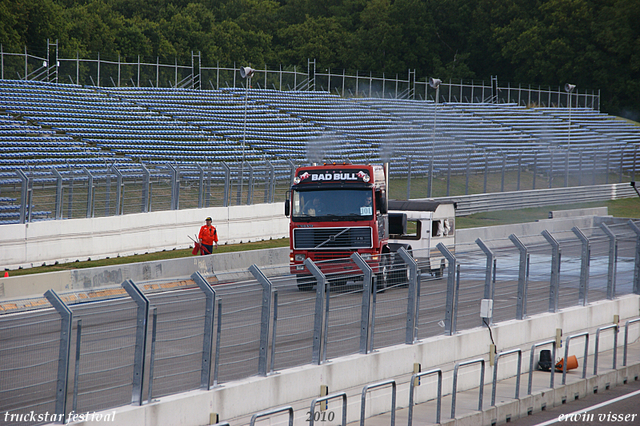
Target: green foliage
(594, 44)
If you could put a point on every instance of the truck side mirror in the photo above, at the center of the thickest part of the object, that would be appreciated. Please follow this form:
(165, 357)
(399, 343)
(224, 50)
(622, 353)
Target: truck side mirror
(381, 202)
(287, 208)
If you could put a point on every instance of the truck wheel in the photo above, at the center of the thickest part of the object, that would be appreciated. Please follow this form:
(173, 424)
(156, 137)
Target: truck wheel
(306, 283)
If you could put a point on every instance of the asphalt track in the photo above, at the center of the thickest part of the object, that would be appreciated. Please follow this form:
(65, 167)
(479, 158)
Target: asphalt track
(619, 405)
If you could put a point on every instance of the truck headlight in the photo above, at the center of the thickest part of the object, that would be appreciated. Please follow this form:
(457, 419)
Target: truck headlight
(300, 257)
(366, 256)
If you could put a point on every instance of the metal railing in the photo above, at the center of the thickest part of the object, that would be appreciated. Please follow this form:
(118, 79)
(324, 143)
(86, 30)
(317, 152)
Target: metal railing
(370, 387)
(495, 374)
(117, 71)
(613, 327)
(480, 361)
(312, 412)
(191, 347)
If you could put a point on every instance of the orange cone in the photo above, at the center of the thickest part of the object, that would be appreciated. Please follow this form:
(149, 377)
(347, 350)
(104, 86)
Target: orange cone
(6, 274)
(572, 362)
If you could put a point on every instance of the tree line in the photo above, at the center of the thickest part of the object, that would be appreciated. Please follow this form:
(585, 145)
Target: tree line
(594, 44)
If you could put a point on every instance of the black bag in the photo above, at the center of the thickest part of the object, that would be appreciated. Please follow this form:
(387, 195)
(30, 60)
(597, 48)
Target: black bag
(545, 362)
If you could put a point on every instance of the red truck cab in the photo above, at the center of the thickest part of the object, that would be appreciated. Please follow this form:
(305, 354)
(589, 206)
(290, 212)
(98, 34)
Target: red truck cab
(336, 210)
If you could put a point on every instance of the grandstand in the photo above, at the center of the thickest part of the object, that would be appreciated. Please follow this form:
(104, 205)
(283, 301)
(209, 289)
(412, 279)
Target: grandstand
(52, 135)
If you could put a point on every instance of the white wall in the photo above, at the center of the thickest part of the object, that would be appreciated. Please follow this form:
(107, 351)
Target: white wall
(36, 243)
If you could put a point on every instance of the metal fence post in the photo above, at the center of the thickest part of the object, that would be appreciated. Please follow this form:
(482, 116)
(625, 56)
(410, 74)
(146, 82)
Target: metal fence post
(146, 193)
(227, 183)
(64, 353)
(271, 183)
(413, 301)
(24, 198)
(141, 339)
(207, 342)
(76, 374)
(265, 318)
(175, 187)
(318, 325)
(70, 199)
(554, 287)
(636, 269)
(613, 257)
(216, 362)
(365, 312)
(450, 314)
(519, 170)
(489, 282)
(292, 173)
(535, 171)
(504, 166)
(486, 172)
(583, 291)
(58, 213)
(521, 309)
(409, 178)
(273, 331)
(467, 171)
(550, 170)
(119, 191)
(200, 187)
(152, 356)
(250, 184)
(207, 191)
(107, 192)
(90, 190)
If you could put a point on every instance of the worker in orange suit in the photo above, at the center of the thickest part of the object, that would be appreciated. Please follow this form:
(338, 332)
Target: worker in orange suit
(207, 237)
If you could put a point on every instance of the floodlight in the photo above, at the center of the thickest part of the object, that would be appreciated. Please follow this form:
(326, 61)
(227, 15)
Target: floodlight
(569, 87)
(246, 72)
(434, 82)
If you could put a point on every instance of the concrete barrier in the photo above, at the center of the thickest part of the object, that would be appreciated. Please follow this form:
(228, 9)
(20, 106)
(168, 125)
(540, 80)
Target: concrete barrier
(35, 285)
(498, 232)
(47, 242)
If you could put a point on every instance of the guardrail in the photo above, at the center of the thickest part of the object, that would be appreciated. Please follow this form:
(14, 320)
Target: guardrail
(476, 203)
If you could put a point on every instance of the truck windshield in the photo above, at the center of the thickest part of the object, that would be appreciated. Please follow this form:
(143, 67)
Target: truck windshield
(332, 204)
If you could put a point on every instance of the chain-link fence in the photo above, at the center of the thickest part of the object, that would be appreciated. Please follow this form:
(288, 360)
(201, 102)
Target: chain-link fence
(150, 72)
(159, 338)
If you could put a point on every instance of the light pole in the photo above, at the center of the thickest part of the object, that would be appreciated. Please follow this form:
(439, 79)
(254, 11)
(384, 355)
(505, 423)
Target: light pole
(568, 88)
(434, 83)
(247, 73)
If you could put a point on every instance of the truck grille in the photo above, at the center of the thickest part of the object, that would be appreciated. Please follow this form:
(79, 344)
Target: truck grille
(332, 238)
